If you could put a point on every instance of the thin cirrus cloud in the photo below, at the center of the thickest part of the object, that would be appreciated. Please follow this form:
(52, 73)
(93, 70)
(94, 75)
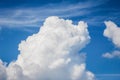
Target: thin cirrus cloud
(112, 32)
(51, 54)
(34, 16)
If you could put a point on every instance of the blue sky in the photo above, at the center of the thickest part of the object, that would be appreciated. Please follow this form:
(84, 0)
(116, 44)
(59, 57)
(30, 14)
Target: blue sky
(22, 18)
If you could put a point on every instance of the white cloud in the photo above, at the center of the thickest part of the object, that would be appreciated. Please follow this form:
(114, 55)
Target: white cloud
(78, 71)
(59, 63)
(3, 75)
(52, 53)
(112, 32)
(33, 17)
(114, 54)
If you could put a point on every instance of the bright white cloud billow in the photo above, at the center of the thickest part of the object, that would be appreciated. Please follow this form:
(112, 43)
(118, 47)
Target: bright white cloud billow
(52, 53)
(112, 32)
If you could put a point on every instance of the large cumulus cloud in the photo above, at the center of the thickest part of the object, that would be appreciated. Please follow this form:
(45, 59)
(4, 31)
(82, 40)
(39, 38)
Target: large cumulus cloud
(52, 53)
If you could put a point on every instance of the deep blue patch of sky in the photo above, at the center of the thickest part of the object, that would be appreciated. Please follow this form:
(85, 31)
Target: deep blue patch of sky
(110, 10)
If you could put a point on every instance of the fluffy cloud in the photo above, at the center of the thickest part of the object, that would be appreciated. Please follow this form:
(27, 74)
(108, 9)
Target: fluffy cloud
(112, 32)
(52, 53)
(114, 54)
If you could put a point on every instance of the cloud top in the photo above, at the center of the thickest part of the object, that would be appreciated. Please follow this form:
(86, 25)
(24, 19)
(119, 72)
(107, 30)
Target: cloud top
(52, 53)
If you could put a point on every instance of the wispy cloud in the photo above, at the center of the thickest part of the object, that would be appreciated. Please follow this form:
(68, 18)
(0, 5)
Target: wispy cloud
(114, 54)
(33, 17)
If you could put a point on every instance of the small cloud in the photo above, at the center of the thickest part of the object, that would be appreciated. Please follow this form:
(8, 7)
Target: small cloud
(112, 32)
(114, 54)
